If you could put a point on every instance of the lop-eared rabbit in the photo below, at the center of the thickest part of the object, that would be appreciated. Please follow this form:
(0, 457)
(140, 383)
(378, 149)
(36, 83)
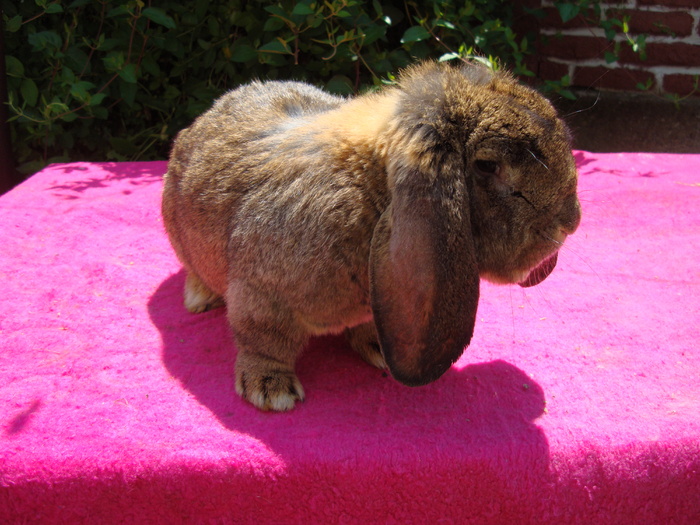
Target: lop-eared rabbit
(308, 214)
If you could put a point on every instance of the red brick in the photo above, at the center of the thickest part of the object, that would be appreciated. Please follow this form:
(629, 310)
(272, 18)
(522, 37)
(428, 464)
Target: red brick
(544, 70)
(530, 4)
(574, 47)
(682, 85)
(548, 70)
(670, 3)
(611, 78)
(658, 54)
(678, 23)
(552, 19)
(524, 24)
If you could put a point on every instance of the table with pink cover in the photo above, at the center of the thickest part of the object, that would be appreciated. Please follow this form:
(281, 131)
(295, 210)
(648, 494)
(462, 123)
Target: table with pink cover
(578, 400)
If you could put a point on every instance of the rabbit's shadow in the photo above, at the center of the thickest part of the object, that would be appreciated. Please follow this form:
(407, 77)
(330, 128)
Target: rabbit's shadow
(485, 409)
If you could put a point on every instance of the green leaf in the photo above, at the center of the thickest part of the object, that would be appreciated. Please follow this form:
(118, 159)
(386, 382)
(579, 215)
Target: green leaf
(13, 67)
(158, 16)
(448, 56)
(77, 59)
(315, 20)
(81, 90)
(201, 9)
(374, 33)
(121, 10)
(340, 85)
(67, 76)
(568, 11)
(523, 45)
(273, 24)
(45, 40)
(13, 24)
(414, 34)
(302, 9)
(114, 61)
(54, 8)
(214, 26)
(567, 94)
(276, 46)
(97, 98)
(278, 12)
(171, 93)
(29, 92)
(640, 46)
(100, 112)
(55, 108)
(243, 53)
(150, 66)
(383, 66)
(127, 91)
(128, 73)
(445, 23)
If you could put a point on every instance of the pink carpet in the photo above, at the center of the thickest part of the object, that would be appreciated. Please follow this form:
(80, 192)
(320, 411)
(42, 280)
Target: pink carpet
(578, 400)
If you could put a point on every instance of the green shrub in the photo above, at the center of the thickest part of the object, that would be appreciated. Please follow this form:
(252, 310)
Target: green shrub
(116, 79)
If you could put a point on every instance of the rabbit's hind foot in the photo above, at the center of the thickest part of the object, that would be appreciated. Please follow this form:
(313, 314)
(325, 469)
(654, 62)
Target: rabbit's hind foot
(363, 339)
(198, 297)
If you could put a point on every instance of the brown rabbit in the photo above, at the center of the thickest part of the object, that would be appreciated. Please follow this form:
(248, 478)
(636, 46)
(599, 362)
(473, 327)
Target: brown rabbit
(310, 214)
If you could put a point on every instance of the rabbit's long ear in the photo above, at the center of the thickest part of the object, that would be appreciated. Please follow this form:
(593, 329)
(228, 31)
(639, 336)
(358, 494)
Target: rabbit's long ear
(424, 278)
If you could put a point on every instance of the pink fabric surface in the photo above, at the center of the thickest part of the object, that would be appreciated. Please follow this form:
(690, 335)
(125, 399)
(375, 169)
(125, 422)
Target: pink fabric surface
(578, 401)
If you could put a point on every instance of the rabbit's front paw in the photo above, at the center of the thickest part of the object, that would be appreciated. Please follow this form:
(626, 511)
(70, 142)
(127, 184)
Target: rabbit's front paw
(269, 390)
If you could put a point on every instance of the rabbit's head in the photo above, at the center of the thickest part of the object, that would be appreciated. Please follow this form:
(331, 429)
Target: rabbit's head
(483, 184)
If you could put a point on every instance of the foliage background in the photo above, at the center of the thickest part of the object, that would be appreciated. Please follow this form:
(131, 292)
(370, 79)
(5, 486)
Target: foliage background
(116, 79)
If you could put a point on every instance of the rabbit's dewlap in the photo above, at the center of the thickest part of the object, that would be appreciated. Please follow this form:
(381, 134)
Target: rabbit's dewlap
(309, 214)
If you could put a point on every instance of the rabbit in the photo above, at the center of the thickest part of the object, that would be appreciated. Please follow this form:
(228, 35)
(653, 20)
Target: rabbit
(375, 216)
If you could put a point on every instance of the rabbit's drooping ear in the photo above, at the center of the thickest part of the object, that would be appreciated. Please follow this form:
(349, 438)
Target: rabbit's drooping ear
(424, 280)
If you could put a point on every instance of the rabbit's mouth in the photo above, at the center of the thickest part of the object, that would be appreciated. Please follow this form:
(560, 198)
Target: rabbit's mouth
(540, 272)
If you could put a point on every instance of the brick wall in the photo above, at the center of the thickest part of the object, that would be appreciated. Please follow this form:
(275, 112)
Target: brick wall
(577, 49)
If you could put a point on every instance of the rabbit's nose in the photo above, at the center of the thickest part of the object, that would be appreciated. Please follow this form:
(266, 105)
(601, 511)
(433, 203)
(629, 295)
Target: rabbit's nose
(570, 216)
(559, 236)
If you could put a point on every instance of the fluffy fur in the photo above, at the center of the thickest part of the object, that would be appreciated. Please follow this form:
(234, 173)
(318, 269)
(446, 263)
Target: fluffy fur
(311, 214)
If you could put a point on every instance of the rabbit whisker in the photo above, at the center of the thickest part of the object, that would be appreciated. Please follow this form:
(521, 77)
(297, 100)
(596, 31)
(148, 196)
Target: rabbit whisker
(585, 109)
(538, 160)
(551, 239)
(568, 247)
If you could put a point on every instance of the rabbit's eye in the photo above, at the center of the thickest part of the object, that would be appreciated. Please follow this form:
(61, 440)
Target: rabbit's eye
(487, 167)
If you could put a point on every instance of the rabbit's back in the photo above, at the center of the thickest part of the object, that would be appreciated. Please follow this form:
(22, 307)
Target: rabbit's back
(259, 188)
(242, 127)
